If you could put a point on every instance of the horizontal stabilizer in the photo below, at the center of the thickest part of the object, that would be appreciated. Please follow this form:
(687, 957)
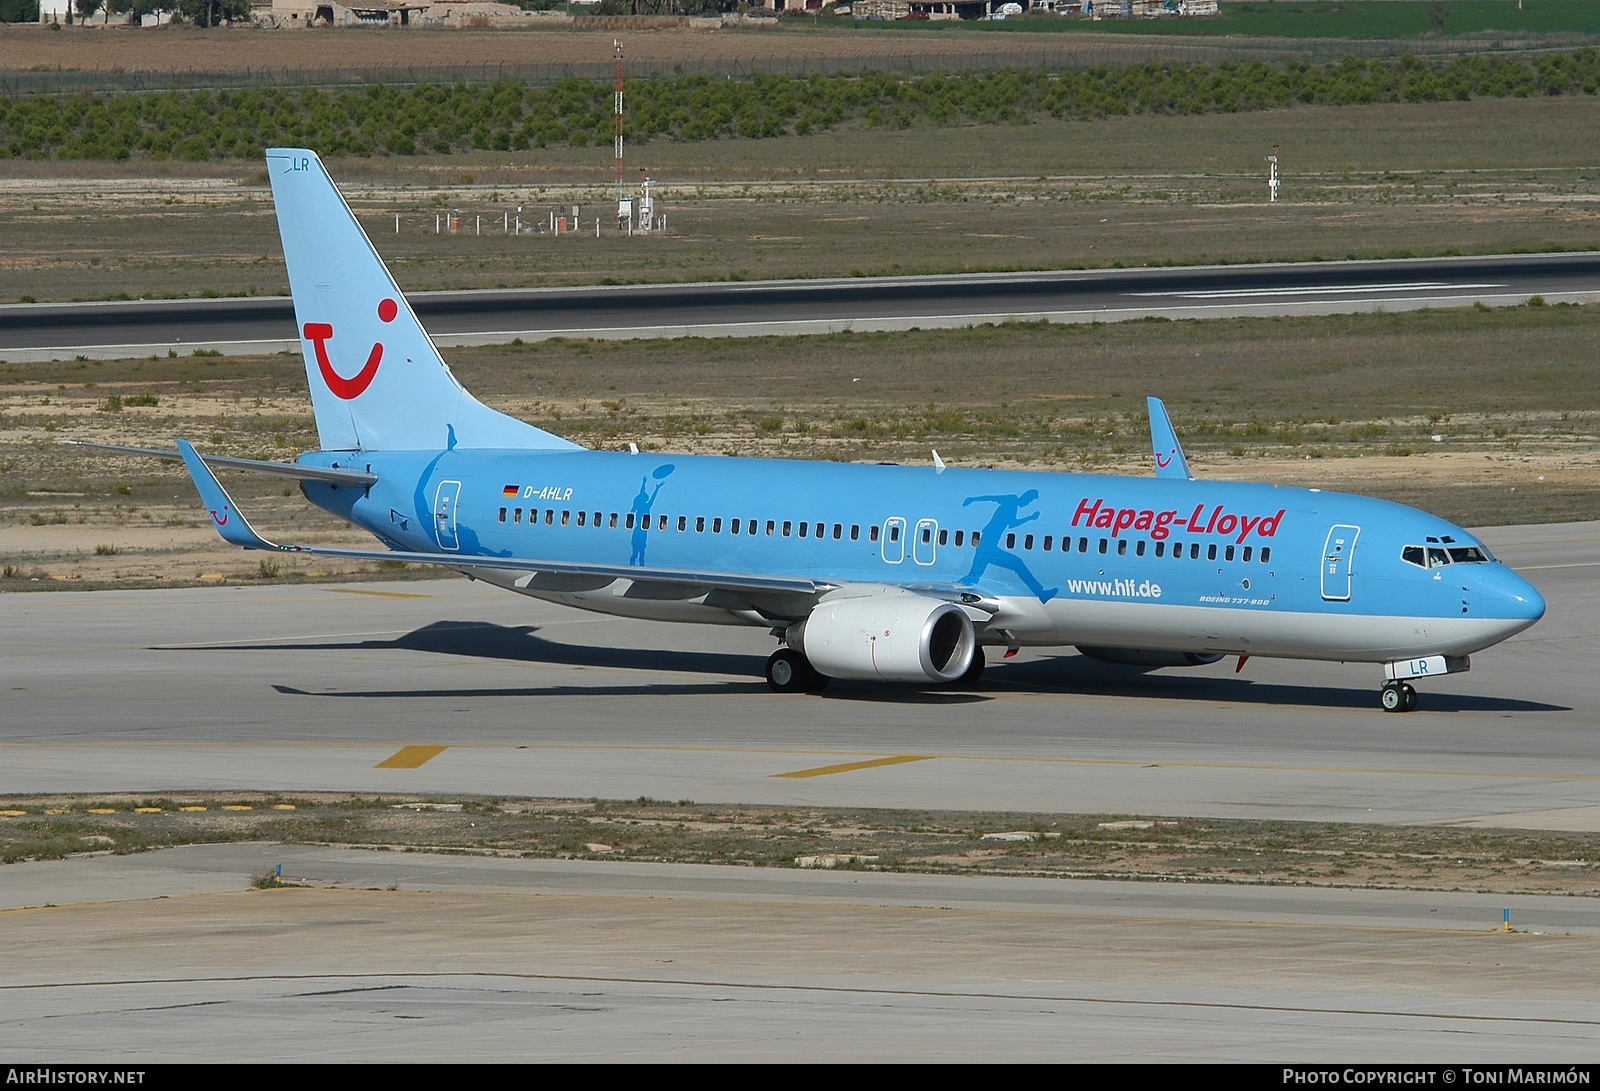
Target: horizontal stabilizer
(229, 520)
(281, 469)
(1164, 443)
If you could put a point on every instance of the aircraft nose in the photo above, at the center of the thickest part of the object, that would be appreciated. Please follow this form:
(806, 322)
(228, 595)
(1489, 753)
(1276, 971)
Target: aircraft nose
(1504, 594)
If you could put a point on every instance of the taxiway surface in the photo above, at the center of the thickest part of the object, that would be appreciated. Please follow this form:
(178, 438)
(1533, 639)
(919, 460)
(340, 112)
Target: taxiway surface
(315, 687)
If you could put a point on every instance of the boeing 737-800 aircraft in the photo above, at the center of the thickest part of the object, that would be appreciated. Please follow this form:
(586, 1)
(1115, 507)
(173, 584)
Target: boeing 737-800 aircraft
(892, 573)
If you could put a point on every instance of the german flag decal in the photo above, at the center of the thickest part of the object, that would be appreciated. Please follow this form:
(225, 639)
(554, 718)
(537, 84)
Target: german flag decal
(509, 490)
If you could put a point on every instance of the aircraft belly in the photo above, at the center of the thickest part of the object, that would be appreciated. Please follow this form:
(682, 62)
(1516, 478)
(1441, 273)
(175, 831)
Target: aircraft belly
(1288, 634)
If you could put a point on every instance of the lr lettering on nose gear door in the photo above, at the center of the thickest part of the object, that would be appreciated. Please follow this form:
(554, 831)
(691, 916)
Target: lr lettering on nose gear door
(444, 514)
(1337, 555)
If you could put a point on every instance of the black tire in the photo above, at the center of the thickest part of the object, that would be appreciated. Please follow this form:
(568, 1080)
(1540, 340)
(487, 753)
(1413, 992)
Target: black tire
(1392, 697)
(1410, 695)
(789, 672)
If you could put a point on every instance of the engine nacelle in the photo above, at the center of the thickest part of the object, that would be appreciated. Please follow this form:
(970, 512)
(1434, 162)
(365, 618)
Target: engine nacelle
(891, 637)
(1141, 657)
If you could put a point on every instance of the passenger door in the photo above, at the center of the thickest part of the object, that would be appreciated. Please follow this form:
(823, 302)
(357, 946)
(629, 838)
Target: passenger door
(1338, 554)
(444, 514)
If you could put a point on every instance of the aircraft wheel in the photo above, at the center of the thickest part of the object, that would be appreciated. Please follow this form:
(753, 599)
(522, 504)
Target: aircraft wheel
(789, 672)
(1393, 697)
(1410, 694)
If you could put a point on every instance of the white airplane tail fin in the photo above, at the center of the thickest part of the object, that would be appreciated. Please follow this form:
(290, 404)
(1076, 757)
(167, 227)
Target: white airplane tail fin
(377, 382)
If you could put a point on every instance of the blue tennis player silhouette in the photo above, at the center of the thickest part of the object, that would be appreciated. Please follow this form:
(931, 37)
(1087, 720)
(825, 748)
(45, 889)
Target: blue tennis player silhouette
(1007, 516)
(641, 511)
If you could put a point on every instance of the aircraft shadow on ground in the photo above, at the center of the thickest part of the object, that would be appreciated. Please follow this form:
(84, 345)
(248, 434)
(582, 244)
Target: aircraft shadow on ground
(1080, 674)
(1066, 674)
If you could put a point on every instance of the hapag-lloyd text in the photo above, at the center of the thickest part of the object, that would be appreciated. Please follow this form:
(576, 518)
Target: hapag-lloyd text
(1161, 524)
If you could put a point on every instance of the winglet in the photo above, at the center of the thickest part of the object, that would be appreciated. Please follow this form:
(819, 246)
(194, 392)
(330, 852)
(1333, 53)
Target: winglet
(1164, 443)
(225, 516)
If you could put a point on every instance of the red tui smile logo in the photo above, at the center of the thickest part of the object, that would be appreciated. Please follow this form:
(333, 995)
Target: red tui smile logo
(320, 333)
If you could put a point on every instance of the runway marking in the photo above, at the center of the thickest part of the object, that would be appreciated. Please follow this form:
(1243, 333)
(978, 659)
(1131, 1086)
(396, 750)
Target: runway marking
(377, 594)
(851, 766)
(411, 757)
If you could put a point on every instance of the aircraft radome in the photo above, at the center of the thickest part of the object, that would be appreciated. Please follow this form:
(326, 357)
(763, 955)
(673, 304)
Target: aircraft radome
(894, 573)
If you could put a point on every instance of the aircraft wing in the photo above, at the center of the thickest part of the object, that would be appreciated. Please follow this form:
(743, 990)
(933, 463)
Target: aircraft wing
(281, 469)
(1164, 444)
(235, 528)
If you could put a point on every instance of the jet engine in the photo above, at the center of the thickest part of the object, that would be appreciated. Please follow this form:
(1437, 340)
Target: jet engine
(890, 637)
(1143, 657)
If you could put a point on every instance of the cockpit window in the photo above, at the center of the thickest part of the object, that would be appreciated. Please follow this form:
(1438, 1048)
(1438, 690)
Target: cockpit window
(1437, 556)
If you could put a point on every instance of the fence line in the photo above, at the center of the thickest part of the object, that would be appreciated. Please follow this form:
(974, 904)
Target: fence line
(1101, 51)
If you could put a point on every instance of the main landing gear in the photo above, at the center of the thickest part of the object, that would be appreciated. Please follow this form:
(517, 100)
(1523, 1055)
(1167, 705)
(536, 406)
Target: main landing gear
(1397, 697)
(790, 672)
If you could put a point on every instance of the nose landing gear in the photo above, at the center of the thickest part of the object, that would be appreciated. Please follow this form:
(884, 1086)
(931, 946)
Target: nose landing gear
(1397, 697)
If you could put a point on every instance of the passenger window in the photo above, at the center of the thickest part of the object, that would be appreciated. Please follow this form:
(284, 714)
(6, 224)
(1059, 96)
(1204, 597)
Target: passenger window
(751, 529)
(1266, 554)
(804, 527)
(787, 526)
(1138, 548)
(716, 525)
(1247, 550)
(872, 533)
(549, 516)
(855, 532)
(1102, 545)
(1211, 552)
(927, 535)
(975, 536)
(1227, 554)
(733, 526)
(627, 521)
(1122, 547)
(944, 537)
(566, 518)
(819, 530)
(1083, 545)
(596, 520)
(700, 524)
(894, 533)
(959, 535)
(1161, 549)
(683, 523)
(1027, 541)
(611, 523)
(1047, 540)
(1011, 541)
(1194, 551)
(502, 515)
(771, 527)
(580, 518)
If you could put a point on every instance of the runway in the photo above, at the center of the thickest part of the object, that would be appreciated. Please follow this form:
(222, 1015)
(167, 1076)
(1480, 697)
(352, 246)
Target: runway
(315, 687)
(140, 327)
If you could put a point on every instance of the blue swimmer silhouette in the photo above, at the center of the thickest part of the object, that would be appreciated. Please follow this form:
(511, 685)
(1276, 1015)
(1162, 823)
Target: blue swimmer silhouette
(641, 511)
(1006, 517)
